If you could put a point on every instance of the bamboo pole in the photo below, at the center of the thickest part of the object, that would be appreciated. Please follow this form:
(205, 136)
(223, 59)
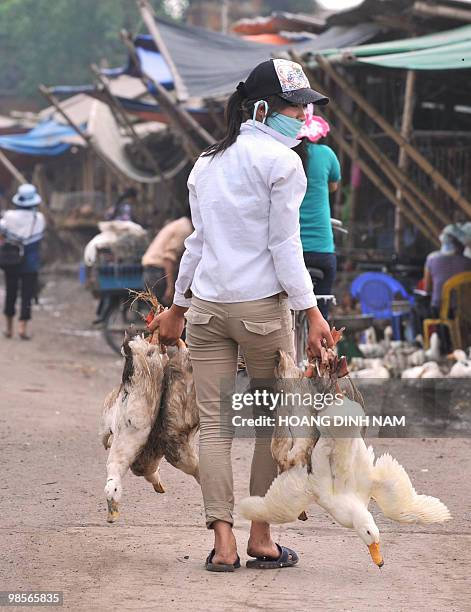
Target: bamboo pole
(396, 176)
(120, 114)
(375, 179)
(446, 12)
(354, 193)
(423, 163)
(406, 128)
(148, 17)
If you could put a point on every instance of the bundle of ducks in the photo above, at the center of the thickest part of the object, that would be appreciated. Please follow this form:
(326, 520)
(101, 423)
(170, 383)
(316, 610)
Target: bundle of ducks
(150, 415)
(337, 470)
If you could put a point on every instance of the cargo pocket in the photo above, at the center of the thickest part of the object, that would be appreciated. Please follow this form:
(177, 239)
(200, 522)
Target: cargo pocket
(262, 328)
(197, 318)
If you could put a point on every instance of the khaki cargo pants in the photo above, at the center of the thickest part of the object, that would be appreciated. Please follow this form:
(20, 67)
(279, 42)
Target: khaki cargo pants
(214, 333)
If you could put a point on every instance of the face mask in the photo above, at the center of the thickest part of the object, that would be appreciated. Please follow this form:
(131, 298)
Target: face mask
(288, 126)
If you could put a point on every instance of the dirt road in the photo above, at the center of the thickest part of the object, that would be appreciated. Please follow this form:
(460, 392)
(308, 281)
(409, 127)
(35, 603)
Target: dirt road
(54, 534)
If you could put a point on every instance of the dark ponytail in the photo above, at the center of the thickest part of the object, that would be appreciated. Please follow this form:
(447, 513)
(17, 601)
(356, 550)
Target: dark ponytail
(239, 109)
(233, 116)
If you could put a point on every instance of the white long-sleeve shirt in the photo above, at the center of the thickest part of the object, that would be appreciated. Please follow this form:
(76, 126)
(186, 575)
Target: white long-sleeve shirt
(25, 225)
(245, 211)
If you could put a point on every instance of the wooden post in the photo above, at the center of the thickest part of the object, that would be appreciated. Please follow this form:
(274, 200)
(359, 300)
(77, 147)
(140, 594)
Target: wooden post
(406, 129)
(354, 192)
(108, 188)
(423, 163)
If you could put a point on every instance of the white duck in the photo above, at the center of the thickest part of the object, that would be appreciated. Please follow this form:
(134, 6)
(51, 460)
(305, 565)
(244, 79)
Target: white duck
(344, 479)
(434, 352)
(371, 348)
(462, 366)
(430, 369)
(375, 369)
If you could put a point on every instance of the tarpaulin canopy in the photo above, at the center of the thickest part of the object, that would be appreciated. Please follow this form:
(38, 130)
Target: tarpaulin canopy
(210, 64)
(446, 57)
(404, 45)
(47, 138)
(448, 50)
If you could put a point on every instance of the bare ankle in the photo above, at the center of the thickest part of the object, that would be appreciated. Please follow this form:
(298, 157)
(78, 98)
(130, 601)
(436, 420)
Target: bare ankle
(225, 543)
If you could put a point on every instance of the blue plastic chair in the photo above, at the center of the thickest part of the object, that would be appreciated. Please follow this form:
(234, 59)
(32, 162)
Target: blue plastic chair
(376, 291)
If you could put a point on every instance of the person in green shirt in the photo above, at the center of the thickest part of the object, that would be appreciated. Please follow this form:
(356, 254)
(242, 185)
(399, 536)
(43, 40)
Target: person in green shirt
(323, 176)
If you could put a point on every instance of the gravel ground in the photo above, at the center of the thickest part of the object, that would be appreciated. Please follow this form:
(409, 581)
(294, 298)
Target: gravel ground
(53, 514)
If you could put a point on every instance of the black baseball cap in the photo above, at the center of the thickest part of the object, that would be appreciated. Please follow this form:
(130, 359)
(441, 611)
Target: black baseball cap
(284, 78)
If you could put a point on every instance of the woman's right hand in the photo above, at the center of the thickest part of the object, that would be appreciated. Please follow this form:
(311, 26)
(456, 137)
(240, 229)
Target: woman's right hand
(170, 324)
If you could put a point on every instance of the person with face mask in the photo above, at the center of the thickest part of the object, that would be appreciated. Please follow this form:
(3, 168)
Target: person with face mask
(241, 272)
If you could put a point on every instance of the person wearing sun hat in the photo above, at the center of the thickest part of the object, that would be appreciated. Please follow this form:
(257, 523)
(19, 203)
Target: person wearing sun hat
(24, 225)
(241, 271)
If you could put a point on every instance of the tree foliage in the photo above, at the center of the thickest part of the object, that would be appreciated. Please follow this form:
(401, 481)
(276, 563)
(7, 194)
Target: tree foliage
(55, 41)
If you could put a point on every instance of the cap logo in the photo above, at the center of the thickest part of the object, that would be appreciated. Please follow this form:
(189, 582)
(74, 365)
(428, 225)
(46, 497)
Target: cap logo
(291, 75)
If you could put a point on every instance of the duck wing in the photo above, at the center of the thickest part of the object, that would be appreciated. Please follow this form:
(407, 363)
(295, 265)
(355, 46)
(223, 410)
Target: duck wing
(323, 474)
(397, 498)
(364, 469)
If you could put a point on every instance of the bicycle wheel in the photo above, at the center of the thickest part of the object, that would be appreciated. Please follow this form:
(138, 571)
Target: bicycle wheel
(119, 318)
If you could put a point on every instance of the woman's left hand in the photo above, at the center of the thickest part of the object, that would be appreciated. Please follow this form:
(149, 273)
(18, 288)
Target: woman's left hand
(319, 331)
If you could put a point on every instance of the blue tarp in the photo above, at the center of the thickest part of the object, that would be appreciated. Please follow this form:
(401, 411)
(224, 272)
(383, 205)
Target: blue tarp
(151, 62)
(46, 138)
